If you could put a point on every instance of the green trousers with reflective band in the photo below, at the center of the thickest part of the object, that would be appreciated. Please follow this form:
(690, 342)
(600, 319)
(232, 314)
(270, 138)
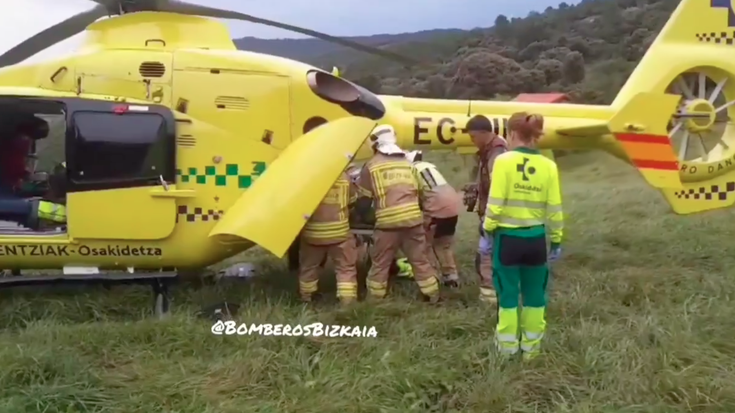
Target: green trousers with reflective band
(527, 281)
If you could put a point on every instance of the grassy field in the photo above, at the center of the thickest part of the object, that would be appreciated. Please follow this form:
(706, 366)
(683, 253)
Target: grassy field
(641, 320)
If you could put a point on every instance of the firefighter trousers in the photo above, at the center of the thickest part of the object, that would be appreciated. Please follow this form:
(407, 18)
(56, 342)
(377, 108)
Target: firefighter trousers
(386, 243)
(440, 244)
(344, 258)
(484, 267)
(520, 268)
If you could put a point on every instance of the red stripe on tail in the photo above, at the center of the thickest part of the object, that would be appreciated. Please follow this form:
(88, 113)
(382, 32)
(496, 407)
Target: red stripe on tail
(633, 137)
(651, 164)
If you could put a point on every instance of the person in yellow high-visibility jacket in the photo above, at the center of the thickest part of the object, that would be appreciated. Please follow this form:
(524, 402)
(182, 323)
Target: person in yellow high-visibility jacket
(524, 203)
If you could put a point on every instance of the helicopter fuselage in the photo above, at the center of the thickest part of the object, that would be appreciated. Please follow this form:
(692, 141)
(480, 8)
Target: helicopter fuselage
(228, 117)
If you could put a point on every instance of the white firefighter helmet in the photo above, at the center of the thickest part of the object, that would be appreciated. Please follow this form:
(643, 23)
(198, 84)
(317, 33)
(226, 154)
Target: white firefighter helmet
(413, 156)
(385, 140)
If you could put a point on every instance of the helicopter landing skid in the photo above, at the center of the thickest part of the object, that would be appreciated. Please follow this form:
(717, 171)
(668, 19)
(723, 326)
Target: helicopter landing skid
(159, 281)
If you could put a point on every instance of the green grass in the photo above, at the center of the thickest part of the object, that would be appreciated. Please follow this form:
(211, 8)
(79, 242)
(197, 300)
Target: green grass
(641, 320)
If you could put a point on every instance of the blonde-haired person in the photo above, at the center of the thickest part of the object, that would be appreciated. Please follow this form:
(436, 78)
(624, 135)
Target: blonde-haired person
(524, 203)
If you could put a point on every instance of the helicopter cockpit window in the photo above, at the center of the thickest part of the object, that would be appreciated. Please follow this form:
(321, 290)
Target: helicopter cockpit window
(115, 147)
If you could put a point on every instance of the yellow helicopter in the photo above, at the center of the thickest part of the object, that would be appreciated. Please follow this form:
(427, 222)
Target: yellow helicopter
(182, 151)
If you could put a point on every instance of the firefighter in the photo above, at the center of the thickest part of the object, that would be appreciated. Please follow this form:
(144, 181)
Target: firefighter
(524, 202)
(327, 234)
(387, 179)
(489, 146)
(440, 205)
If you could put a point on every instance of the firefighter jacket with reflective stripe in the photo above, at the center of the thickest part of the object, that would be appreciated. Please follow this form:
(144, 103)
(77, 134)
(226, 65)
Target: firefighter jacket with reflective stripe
(525, 193)
(438, 198)
(330, 222)
(485, 159)
(390, 182)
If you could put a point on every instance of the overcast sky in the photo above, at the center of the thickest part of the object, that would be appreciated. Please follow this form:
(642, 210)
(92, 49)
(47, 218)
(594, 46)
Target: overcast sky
(343, 18)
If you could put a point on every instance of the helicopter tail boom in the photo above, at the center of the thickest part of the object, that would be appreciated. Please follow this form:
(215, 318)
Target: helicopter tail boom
(691, 56)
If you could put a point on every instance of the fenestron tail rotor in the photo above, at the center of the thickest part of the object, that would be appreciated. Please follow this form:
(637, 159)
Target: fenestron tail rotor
(79, 22)
(702, 130)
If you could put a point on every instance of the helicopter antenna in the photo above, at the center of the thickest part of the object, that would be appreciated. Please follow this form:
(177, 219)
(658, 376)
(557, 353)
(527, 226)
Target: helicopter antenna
(79, 22)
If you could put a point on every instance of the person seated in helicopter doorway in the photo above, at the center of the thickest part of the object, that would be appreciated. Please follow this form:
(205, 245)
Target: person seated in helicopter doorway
(14, 154)
(327, 234)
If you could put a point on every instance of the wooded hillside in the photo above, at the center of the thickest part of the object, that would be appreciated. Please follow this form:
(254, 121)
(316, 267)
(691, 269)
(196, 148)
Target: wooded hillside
(587, 50)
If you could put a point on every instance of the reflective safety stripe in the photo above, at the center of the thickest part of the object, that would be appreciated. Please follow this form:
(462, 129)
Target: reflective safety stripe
(515, 200)
(51, 211)
(515, 221)
(397, 215)
(519, 203)
(506, 344)
(402, 171)
(530, 348)
(377, 289)
(507, 338)
(377, 284)
(556, 225)
(533, 336)
(427, 283)
(346, 289)
(327, 230)
(364, 192)
(428, 176)
(308, 287)
(430, 288)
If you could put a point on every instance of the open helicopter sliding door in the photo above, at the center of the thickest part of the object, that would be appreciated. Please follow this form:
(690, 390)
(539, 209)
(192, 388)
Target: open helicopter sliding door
(119, 157)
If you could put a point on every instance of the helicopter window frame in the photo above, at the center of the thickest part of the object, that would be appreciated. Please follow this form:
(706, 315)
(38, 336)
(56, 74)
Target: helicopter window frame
(165, 139)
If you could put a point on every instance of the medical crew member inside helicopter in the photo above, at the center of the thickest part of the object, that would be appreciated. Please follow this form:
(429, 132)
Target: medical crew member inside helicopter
(14, 154)
(523, 204)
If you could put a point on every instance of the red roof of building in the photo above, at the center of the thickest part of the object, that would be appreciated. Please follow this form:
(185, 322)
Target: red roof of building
(542, 97)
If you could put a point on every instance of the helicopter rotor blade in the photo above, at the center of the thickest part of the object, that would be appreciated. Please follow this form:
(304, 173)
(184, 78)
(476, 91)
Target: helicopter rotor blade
(54, 34)
(182, 7)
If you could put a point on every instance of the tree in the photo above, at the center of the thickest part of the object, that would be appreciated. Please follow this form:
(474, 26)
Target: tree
(534, 50)
(502, 26)
(573, 69)
(488, 73)
(587, 50)
(501, 21)
(552, 69)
